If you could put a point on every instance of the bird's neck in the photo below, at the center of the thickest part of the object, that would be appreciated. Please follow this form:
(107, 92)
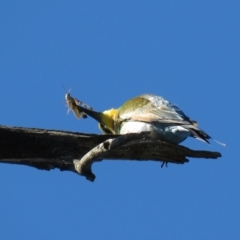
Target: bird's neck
(108, 118)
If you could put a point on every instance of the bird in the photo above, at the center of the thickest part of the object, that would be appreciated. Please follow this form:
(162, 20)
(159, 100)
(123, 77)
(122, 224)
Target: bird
(146, 113)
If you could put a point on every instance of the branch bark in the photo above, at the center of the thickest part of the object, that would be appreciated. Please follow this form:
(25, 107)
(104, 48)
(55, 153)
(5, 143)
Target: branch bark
(76, 152)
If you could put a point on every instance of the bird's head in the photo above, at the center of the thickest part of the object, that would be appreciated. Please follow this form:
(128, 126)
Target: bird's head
(107, 121)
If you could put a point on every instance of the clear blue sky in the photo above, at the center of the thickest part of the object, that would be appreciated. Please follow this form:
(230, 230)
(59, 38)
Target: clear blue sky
(108, 52)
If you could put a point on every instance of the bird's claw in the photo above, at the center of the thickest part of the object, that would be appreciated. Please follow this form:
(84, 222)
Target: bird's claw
(164, 163)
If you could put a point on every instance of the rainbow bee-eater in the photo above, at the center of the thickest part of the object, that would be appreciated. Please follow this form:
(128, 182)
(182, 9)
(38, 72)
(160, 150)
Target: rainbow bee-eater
(150, 113)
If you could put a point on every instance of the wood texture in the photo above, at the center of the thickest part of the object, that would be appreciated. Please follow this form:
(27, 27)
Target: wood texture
(72, 151)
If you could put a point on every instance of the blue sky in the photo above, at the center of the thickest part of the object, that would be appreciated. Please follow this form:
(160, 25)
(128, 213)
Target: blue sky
(108, 52)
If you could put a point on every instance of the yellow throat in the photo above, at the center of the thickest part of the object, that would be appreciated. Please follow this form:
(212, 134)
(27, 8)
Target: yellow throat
(108, 119)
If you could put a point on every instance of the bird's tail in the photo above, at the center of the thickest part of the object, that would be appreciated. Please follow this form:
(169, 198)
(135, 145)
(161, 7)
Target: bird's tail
(201, 135)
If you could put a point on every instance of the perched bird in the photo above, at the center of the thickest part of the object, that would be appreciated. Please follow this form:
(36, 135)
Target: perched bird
(148, 112)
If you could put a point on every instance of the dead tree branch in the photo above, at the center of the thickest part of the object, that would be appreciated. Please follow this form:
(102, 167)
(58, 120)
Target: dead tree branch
(49, 149)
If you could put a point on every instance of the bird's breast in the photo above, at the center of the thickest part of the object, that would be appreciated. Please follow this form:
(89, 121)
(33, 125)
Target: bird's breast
(168, 132)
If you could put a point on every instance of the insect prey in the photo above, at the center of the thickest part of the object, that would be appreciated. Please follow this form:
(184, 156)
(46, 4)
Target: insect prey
(72, 104)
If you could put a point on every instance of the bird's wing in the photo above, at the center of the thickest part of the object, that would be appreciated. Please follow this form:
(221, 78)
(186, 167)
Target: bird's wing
(152, 108)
